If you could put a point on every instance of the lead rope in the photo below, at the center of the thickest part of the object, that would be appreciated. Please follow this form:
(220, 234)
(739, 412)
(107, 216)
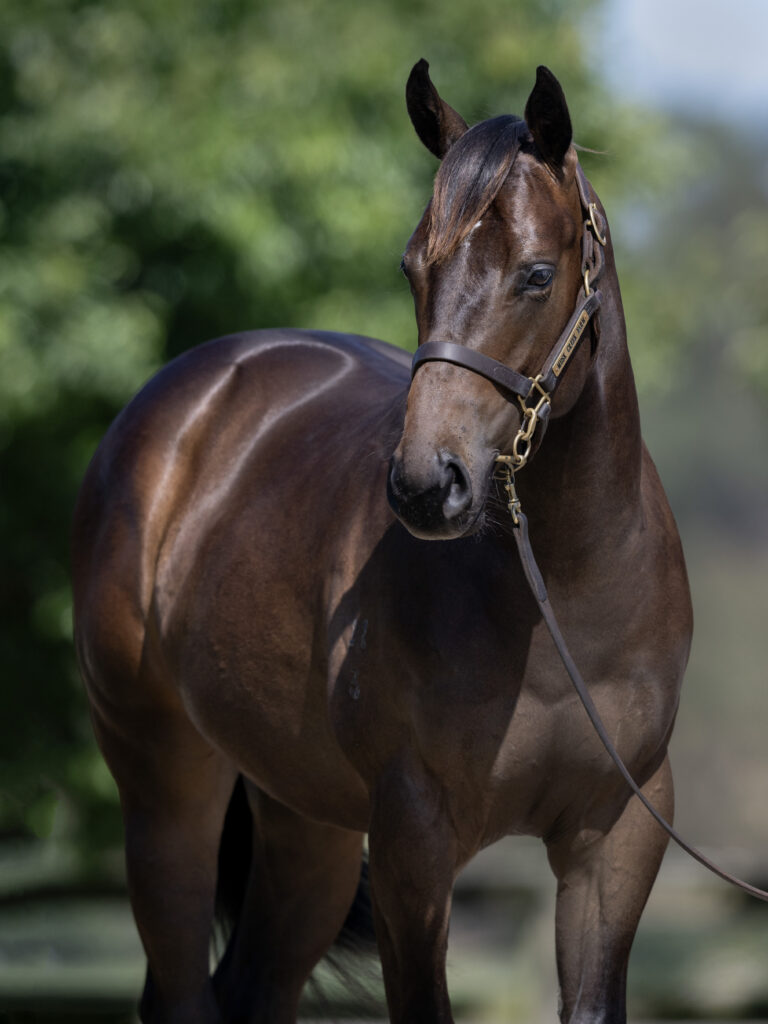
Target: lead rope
(539, 591)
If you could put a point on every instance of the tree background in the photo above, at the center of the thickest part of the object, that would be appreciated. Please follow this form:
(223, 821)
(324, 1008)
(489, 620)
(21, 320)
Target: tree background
(171, 171)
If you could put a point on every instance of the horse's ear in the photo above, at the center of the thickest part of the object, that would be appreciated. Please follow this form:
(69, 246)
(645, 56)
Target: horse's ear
(547, 117)
(437, 125)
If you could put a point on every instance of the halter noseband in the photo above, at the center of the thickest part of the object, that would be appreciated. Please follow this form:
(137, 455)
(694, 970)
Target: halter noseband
(539, 389)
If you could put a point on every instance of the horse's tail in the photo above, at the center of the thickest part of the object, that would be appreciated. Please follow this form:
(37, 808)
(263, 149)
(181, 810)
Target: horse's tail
(357, 934)
(235, 850)
(351, 960)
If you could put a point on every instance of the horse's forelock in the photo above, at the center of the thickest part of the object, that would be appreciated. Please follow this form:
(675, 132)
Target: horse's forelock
(469, 179)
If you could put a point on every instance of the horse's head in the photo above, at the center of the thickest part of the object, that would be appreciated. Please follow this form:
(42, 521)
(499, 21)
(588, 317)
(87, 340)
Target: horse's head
(495, 265)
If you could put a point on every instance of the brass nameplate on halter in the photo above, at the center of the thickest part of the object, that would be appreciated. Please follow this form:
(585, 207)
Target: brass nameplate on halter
(570, 343)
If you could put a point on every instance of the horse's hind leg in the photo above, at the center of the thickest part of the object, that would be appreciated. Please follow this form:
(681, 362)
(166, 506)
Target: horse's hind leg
(603, 885)
(174, 791)
(302, 883)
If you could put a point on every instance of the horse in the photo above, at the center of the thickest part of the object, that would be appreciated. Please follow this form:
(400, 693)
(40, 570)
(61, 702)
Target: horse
(294, 574)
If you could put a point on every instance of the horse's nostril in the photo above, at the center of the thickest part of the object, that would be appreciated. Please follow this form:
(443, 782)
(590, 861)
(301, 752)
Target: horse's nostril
(393, 483)
(457, 487)
(429, 493)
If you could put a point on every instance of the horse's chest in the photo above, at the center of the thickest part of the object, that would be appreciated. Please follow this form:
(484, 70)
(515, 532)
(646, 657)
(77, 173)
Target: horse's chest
(492, 713)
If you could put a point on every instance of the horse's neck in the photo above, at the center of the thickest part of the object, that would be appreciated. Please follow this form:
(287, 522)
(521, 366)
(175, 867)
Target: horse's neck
(582, 491)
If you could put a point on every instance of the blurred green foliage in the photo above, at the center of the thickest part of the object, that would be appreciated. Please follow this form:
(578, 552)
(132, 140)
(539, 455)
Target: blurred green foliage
(693, 268)
(171, 171)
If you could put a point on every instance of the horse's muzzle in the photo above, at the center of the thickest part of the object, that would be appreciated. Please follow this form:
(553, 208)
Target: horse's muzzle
(437, 503)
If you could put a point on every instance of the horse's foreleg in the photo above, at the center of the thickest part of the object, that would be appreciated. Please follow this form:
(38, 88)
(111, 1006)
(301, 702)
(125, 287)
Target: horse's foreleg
(302, 882)
(174, 791)
(603, 885)
(413, 859)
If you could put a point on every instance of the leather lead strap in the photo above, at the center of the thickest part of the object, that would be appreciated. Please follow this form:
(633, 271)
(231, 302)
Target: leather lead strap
(538, 589)
(593, 263)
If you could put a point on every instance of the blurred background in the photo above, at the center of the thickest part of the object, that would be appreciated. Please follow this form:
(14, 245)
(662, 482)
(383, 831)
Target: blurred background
(171, 170)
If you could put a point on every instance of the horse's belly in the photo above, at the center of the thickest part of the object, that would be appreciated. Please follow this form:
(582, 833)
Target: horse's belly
(268, 727)
(256, 696)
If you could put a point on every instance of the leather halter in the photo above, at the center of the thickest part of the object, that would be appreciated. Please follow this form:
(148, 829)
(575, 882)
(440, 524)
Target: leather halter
(543, 386)
(593, 240)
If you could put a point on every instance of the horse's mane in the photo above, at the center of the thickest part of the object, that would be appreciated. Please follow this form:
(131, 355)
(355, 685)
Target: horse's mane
(469, 179)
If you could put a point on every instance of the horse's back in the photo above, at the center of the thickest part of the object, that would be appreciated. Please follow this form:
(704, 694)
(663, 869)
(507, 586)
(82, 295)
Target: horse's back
(185, 398)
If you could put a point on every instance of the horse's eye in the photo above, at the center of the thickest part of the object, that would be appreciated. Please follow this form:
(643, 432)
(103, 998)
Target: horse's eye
(540, 277)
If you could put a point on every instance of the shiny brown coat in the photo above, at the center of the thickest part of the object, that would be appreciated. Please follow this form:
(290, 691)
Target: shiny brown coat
(248, 604)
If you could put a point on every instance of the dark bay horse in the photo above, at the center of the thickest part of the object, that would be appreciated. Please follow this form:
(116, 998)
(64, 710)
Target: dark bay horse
(249, 604)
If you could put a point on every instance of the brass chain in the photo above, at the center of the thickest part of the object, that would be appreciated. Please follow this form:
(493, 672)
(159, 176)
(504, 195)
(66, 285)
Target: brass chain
(508, 465)
(523, 442)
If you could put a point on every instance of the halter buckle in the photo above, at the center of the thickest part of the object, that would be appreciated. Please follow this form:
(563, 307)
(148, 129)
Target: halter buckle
(532, 413)
(602, 239)
(544, 396)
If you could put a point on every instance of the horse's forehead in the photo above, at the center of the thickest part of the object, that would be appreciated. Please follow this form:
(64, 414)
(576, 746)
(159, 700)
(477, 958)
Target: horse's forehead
(533, 201)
